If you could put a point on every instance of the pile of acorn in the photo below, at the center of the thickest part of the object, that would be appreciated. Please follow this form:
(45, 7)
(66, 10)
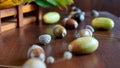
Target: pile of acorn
(84, 44)
(74, 18)
(37, 54)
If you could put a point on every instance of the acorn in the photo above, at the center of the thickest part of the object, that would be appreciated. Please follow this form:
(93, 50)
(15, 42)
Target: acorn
(82, 17)
(85, 32)
(83, 13)
(59, 31)
(103, 23)
(45, 39)
(90, 28)
(64, 21)
(36, 52)
(94, 13)
(70, 24)
(67, 55)
(78, 17)
(51, 17)
(50, 59)
(83, 45)
(34, 63)
(75, 9)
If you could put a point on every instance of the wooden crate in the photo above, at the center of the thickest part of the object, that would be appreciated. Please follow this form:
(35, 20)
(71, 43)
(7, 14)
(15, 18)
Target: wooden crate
(21, 20)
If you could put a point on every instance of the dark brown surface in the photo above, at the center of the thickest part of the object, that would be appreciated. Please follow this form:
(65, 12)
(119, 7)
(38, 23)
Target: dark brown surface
(107, 5)
(14, 45)
(100, 5)
(83, 4)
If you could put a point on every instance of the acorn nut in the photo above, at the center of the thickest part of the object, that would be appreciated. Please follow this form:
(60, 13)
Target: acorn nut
(36, 52)
(83, 13)
(78, 17)
(59, 31)
(94, 13)
(45, 39)
(71, 24)
(83, 45)
(51, 17)
(34, 63)
(50, 59)
(103, 23)
(90, 28)
(85, 32)
(67, 55)
(75, 9)
(64, 21)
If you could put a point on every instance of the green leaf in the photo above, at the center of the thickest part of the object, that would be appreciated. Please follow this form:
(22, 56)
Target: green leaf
(64, 3)
(53, 2)
(69, 2)
(43, 3)
(29, 1)
(61, 3)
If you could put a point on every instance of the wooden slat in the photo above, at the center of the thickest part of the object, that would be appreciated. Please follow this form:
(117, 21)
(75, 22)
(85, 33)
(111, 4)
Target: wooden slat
(29, 20)
(8, 26)
(19, 16)
(29, 8)
(38, 14)
(11, 24)
(0, 25)
(0, 22)
(8, 12)
(12, 11)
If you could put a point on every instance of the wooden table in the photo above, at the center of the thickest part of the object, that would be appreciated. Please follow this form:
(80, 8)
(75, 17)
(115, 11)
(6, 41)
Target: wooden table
(14, 45)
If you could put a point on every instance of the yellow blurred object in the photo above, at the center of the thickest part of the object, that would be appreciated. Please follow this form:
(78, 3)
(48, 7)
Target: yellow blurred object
(2, 1)
(11, 3)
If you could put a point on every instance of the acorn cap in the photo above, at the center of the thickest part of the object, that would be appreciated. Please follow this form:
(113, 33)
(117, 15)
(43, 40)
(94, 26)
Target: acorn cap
(45, 39)
(90, 27)
(67, 55)
(85, 32)
(50, 59)
(95, 13)
(75, 9)
(31, 55)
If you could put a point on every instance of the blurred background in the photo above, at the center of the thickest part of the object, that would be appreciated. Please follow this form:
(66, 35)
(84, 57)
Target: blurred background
(112, 6)
(31, 10)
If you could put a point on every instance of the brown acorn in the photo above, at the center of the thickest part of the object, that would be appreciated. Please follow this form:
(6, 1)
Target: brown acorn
(71, 24)
(85, 32)
(83, 45)
(59, 31)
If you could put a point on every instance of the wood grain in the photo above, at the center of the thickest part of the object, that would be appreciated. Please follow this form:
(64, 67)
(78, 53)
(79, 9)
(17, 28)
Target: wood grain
(12, 11)
(12, 23)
